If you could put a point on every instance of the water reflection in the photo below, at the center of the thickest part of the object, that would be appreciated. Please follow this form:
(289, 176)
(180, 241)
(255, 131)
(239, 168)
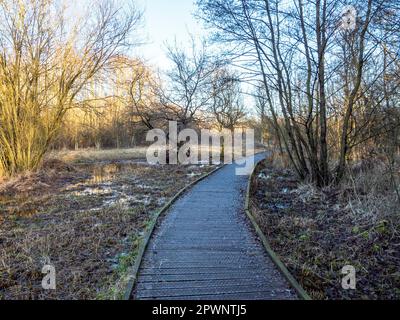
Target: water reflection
(105, 172)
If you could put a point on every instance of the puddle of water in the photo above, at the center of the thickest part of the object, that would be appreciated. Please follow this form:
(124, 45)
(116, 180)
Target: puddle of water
(104, 183)
(281, 206)
(93, 191)
(143, 186)
(161, 201)
(103, 173)
(193, 174)
(123, 202)
(276, 206)
(144, 200)
(263, 176)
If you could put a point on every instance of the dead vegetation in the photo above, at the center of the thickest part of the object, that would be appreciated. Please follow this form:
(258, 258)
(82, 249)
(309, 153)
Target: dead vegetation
(94, 155)
(42, 181)
(317, 232)
(87, 220)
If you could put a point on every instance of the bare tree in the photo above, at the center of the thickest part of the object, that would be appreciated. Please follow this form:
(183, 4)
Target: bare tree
(142, 87)
(227, 104)
(189, 89)
(46, 64)
(313, 72)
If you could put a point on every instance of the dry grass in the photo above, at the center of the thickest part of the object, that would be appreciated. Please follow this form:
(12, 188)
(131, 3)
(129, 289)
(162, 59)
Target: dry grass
(87, 220)
(83, 247)
(318, 232)
(94, 155)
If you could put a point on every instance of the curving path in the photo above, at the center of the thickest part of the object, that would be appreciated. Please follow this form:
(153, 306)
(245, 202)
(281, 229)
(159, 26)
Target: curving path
(205, 249)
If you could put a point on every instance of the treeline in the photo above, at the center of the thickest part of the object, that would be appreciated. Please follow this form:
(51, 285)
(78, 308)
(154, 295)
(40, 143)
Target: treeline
(199, 91)
(324, 77)
(68, 81)
(327, 75)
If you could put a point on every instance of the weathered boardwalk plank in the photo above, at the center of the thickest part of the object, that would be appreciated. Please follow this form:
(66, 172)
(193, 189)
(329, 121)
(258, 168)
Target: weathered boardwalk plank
(205, 249)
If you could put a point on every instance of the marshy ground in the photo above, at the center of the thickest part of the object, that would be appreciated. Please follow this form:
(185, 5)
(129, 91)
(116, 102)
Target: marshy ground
(318, 232)
(86, 216)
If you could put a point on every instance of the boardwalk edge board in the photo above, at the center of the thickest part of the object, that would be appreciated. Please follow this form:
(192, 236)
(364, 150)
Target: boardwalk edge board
(277, 261)
(143, 246)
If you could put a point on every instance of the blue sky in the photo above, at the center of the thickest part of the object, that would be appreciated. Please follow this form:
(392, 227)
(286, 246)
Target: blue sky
(166, 20)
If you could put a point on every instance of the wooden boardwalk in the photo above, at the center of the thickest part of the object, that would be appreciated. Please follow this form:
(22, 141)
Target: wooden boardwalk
(205, 249)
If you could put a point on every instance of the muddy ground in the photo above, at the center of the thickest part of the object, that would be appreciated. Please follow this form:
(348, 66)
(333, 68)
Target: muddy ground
(318, 232)
(86, 219)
